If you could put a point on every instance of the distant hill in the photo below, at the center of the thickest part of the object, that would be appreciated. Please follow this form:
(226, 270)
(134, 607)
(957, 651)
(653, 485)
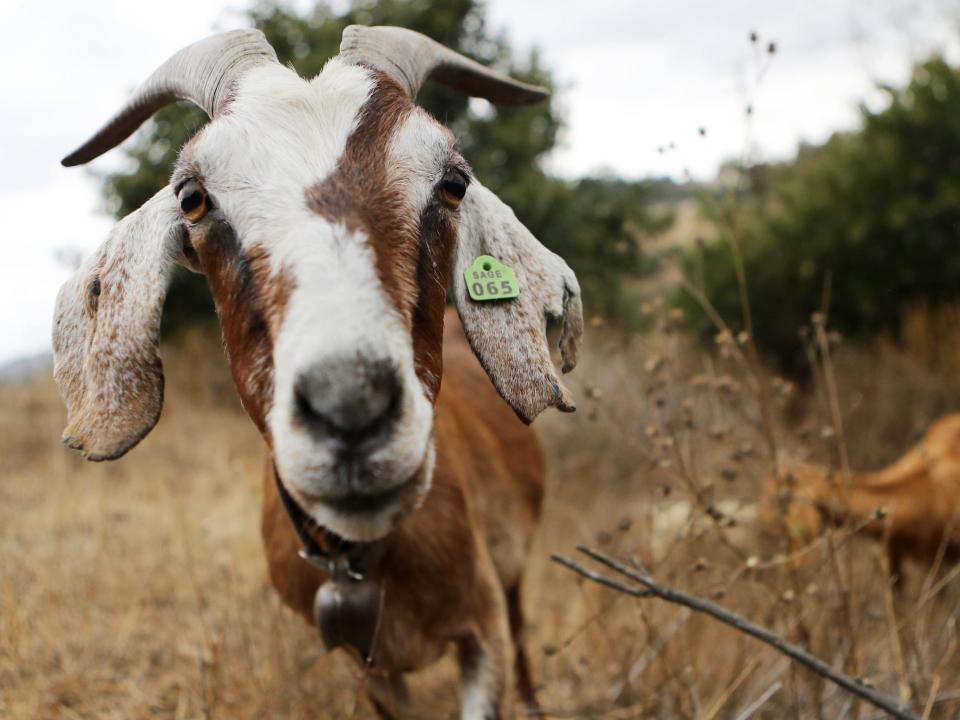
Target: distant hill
(26, 368)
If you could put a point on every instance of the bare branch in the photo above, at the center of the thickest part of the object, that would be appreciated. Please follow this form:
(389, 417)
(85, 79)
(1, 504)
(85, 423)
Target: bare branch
(653, 588)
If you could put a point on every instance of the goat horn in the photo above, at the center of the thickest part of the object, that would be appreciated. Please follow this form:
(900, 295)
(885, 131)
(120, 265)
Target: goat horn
(204, 73)
(409, 58)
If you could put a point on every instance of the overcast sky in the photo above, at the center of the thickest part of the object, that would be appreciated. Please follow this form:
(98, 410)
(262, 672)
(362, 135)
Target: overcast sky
(635, 76)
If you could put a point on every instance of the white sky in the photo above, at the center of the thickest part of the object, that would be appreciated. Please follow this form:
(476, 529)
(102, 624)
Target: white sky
(635, 75)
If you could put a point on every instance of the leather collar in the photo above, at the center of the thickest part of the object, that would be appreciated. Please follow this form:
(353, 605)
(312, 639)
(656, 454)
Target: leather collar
(348, 607)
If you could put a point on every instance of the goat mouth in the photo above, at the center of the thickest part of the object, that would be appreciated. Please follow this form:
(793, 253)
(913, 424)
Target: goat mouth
(367, 511)
(357, 497)
(361, 503)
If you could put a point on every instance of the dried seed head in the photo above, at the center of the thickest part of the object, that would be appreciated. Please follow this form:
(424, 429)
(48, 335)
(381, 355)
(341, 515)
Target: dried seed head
(653, 364)
(718, 432)
(592, 391)
(664, 442)
(725, 384)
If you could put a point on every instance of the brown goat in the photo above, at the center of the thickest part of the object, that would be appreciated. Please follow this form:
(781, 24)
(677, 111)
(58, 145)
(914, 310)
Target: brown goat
(913, 503)
(334, 220)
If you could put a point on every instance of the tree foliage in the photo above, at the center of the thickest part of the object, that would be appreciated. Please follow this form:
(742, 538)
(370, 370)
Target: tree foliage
(593, 223)
(869, 221)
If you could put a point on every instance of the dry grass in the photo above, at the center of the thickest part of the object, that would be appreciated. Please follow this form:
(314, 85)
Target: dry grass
(138, 589)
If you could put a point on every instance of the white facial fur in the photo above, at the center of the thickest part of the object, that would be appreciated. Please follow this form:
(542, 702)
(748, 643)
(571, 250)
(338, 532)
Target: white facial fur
(282, 136)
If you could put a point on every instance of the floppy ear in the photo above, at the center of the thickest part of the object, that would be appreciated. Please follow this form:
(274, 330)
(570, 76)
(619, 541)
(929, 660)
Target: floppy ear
(509, 336)
(106, 332)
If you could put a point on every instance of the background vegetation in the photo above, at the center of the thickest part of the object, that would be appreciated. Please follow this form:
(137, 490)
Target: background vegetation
(861, 227)
(138, 589)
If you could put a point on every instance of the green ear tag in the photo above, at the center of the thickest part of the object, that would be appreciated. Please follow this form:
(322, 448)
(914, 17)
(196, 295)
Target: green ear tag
(490, 279)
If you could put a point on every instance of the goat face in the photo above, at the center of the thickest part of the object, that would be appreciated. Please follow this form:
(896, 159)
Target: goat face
(330, 217)
(329, 270)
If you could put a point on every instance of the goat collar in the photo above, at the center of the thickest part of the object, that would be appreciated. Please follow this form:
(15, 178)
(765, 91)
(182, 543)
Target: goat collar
(341, 558)
(348, 606)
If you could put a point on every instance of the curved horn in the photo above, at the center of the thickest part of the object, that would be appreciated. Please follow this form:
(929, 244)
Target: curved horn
(203, 73)
(409, 58)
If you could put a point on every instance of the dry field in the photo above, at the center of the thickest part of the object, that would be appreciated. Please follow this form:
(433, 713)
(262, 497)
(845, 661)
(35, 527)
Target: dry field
(137, 589)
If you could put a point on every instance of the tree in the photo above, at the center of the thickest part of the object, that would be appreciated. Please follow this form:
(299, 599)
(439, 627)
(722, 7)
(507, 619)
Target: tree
(504, 145)
(869, 220)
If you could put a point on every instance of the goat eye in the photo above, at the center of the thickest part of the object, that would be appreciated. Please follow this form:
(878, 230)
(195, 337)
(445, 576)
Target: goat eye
(193, 201)
(452, 188)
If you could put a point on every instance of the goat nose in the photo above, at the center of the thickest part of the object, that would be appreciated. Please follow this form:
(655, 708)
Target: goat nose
(349, 403)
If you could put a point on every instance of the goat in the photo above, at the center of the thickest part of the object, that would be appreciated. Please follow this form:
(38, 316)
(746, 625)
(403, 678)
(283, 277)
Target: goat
(332, 218)
(914, 503)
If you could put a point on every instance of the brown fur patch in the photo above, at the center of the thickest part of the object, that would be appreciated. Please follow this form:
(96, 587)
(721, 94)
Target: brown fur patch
(360, 195)
(250, 302)
(412, 254)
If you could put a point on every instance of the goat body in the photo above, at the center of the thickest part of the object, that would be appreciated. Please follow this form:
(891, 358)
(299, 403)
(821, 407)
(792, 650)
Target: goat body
(918, 498)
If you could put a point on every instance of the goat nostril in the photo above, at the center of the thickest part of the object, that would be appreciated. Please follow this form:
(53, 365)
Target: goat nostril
(351, 405)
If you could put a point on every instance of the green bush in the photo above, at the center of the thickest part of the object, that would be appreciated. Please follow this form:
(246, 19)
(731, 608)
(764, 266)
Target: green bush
(870, 221)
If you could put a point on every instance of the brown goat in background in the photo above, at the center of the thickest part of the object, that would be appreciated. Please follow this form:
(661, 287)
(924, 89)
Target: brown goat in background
(912, 504)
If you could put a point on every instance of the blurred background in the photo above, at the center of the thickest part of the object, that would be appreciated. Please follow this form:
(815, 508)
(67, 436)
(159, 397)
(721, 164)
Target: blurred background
(762, 203)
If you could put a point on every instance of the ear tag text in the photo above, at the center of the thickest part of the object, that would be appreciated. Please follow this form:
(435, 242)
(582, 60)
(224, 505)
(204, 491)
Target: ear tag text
(489, 279)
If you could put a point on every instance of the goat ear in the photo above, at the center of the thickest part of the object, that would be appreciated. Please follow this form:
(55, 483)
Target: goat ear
(509, 336)
(106, 332)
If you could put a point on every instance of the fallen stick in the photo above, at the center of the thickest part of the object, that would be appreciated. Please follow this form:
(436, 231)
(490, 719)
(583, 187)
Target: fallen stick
(652, 588)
